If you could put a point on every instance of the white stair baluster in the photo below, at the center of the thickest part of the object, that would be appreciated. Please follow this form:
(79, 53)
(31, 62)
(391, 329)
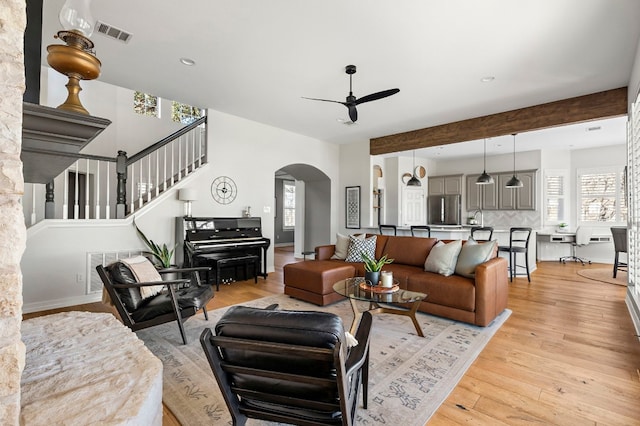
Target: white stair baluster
(65, 196)
(86, 192)
(76, 206)
(97, 206)
(107, 211)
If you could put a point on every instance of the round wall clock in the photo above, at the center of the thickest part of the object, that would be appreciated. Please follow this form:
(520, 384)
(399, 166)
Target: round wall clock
(224, 190)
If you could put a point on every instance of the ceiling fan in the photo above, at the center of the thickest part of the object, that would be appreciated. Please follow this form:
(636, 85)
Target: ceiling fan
(352, 101)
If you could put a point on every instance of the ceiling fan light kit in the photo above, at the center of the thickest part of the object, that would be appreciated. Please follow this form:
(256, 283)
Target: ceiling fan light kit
(351, 101)
(514, 182)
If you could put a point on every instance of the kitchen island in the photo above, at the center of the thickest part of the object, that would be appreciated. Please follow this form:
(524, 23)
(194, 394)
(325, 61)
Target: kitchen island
(462, 232)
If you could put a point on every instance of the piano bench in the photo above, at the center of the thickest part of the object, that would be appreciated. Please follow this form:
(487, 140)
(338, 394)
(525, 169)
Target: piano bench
(222, 260)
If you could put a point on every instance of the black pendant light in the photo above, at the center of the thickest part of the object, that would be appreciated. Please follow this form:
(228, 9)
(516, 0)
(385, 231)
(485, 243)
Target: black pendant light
(514, 182)
(485, 178)
(414, 181)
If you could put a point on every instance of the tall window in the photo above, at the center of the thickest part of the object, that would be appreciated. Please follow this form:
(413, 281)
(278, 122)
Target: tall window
(555, 196)
(183, 113)
(289, 205)
(146, 104)
(601, 195)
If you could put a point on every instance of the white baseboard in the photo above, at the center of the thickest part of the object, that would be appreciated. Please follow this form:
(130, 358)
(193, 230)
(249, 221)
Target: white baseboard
(61, 303)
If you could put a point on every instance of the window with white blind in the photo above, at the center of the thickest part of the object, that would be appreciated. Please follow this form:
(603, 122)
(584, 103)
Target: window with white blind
(633, 246)
(289, 204)
(601, 196)
(555, 196)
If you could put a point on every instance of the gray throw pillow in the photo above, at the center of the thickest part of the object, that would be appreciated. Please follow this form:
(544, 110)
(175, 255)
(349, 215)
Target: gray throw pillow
(471, 255)
(443, 257)
(357, 247)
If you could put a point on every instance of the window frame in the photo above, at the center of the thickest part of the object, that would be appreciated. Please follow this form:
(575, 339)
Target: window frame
(564, 174)
(620, 198)
(146, 105)
(179, 116)
(286, 183)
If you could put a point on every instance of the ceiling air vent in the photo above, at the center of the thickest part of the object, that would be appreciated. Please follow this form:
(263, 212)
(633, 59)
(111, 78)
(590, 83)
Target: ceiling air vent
(113, 32)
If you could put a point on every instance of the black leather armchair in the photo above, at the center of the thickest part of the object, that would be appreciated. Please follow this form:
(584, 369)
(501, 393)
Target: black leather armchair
(181, 299)
(288, 366)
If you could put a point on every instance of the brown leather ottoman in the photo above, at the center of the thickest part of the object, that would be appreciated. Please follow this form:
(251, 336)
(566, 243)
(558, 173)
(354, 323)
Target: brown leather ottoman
(313, 280)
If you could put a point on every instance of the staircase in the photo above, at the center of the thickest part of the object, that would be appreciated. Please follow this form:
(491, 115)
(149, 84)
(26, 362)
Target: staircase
(95, 187)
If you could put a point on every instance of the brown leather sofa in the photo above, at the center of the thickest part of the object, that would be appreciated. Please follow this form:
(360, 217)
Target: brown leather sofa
(472, 300)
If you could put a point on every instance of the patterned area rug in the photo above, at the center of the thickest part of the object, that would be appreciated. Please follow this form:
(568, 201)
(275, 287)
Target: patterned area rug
(604, 275)
(410, 376)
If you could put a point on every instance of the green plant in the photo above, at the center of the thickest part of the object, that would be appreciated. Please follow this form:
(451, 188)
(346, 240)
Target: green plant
(372, 265)
(562, 225)
(162, 254)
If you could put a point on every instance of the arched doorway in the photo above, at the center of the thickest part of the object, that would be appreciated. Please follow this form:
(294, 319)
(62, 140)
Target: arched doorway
(312, 208)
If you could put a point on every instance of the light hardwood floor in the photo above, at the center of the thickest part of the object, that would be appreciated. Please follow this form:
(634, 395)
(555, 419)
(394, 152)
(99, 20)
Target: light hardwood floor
(568, 355)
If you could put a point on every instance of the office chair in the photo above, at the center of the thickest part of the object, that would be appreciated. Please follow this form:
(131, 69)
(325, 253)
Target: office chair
(420, 229)
(482, 231)
(620, 246)
(583, 237)
(518, 243)
(389, 228)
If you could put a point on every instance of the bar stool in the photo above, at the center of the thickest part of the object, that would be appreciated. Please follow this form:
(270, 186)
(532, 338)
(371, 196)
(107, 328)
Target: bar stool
(620, 246)
(420, 228)
(387, 228)
(518, 243)
(482, 230)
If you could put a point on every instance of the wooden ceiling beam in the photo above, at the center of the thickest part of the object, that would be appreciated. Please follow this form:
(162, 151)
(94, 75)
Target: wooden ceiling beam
(607, 104)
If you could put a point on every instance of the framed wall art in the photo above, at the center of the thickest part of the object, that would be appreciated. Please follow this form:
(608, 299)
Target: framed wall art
(352, 207)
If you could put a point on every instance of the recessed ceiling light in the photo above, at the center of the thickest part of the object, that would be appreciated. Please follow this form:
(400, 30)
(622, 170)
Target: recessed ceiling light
(188, 62)
(487, 79)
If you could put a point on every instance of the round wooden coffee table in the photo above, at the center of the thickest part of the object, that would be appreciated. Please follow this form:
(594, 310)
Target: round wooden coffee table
(352, 288)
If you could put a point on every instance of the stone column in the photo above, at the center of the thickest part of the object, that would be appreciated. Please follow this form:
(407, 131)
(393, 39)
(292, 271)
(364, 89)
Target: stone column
(12, 227)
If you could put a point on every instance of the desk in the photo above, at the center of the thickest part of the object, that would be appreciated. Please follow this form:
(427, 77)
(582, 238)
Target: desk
(569, 237)
(554, 245)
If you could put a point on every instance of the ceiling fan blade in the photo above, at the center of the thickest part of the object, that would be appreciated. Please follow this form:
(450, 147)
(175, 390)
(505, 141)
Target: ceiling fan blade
(324, 100)
(376, 96)
(353, 113)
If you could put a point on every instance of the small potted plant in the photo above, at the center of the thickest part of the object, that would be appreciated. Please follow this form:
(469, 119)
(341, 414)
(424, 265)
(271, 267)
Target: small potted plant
(373, 267)
(563, 227)
(161, 254)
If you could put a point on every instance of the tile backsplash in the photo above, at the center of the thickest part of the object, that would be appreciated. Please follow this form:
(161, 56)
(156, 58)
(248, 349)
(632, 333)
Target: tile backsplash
(509, 218)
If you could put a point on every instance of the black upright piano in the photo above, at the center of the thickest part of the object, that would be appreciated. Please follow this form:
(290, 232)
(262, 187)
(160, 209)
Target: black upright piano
(226, 235)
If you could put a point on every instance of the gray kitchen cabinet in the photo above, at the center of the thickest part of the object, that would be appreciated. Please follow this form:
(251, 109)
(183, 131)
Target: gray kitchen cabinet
(445, 185)
(497, 197)
(476, 193)
(526, 199)
(523, 198)
(473, 193)
(506, 196)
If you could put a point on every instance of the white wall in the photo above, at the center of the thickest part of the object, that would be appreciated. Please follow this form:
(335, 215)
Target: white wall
(248, 152)
(355, 170)
(129, 130)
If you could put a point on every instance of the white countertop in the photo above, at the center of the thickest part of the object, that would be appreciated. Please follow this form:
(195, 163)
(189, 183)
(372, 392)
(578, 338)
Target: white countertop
(451, 228)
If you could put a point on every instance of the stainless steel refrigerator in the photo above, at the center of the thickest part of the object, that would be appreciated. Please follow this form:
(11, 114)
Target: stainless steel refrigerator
(443, 209)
